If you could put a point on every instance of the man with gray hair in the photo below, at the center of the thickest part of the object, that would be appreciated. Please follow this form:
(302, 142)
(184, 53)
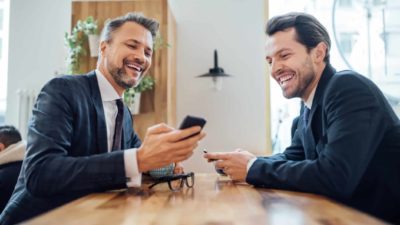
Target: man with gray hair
(79, 127)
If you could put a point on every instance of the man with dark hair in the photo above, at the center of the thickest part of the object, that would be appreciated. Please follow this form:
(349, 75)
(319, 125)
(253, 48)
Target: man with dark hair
(8, 135)
(347, 143)
(79, 127)
(12, 151)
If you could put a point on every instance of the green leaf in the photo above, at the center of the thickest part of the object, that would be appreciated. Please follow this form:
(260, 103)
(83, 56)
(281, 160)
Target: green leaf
(74, 42)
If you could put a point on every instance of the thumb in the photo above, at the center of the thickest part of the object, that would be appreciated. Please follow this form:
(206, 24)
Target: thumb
(159, 129)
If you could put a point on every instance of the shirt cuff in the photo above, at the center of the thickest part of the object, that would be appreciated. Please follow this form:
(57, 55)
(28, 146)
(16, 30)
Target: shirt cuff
(250, 163)
(134, 178)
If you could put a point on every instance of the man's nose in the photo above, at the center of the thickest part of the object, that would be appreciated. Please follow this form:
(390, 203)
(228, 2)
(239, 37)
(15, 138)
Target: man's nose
(276, 67)
(139, 56)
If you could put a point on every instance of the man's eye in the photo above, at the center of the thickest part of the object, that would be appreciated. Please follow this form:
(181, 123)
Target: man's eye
(132, 46)
(284, 56)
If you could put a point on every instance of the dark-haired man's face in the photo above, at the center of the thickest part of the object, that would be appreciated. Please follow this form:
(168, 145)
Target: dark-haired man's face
(291, 65)
(127, 57)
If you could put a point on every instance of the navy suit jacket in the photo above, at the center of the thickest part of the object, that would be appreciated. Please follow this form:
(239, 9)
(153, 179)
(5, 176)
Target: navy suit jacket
(67, 149)
(349, 150)
(8, 178)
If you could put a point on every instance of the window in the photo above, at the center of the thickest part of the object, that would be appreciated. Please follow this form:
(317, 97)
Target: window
(1, 18)
(1, 47)
(347, 41)
(346, 3)
(3, 61)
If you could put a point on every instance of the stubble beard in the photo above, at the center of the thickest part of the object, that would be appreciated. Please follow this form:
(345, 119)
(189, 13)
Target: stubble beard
(122, 78)
(306, 78)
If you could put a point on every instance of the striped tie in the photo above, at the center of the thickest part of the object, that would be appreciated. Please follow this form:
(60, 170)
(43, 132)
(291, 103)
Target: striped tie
(118, 126)
(306, 115)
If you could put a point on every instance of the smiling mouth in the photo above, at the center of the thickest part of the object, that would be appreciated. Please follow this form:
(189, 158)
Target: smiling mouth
(284, 79)
(134, 67)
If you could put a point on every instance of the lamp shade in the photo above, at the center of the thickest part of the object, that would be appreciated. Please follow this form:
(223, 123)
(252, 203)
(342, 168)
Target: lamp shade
(216, 71)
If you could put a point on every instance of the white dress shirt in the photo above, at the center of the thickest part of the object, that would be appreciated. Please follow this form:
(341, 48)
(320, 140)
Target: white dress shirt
(109, 97)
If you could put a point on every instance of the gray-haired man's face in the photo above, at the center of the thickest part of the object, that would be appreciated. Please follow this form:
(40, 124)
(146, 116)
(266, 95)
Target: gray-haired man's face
(127, 57)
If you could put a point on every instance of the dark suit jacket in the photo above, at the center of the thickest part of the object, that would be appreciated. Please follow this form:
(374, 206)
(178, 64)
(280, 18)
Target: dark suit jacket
(349, 151)
(8, 178)
(67, 149)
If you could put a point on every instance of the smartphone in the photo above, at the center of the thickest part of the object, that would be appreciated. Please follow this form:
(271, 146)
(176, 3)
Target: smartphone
(191, 121)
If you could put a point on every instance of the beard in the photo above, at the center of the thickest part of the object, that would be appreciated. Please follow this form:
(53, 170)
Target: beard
(122, 78)
(306, 77)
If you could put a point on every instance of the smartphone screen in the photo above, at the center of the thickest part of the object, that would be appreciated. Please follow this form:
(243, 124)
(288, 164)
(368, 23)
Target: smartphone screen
(191, 121)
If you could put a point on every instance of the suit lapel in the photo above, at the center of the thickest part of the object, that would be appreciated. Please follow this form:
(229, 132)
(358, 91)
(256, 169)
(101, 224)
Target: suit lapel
(101, 130)
(313, 129)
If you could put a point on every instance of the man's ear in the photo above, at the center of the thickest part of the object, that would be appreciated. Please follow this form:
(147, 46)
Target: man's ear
(320, 52)
(103, 47)
(2, 146)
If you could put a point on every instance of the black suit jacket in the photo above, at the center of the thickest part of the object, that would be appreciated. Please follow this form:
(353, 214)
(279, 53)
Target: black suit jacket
(8, 178)
(67, 149)
(349, 151)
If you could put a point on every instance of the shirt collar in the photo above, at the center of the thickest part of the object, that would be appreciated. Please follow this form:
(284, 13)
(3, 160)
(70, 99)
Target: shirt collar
(310, 98)
(107, 91)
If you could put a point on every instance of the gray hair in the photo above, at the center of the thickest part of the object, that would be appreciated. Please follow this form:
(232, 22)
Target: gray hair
(111, 26)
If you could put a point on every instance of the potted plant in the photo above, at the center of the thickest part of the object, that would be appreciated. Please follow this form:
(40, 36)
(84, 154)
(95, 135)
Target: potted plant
(132, 95)
(74, 42)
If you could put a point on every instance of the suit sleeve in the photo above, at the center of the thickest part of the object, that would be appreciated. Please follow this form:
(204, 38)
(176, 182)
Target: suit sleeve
(354, 125)
(50, 168)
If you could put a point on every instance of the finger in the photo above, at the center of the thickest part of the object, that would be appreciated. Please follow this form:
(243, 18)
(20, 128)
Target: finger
(216, 155)
(188, 143)
(178, 169)
(202, 135)
(221, 164)
(182, 134)
(159, 128)
(182, 157)
(227, 171)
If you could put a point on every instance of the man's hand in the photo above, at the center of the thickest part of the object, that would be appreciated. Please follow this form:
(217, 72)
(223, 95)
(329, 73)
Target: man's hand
(179, 168)
(163, 145)
(234, 163)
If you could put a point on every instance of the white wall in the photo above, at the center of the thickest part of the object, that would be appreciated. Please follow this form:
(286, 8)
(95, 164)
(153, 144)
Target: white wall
(236, 115)
(36, 52)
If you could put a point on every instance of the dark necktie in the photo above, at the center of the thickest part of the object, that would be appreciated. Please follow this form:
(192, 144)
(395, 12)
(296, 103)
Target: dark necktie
(118, 126)
(306, 116)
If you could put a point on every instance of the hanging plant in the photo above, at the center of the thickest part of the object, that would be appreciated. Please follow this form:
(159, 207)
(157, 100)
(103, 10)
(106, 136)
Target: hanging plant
(74, 42)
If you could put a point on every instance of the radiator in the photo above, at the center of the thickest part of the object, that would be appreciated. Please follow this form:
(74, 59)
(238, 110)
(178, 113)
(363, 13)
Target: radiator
(26, 100)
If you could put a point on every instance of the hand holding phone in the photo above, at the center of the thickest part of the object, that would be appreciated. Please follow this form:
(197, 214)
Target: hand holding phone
(218, 170)
(191, 121)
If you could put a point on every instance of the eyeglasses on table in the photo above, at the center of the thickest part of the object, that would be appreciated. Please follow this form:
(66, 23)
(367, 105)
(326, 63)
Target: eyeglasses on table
(176, 181)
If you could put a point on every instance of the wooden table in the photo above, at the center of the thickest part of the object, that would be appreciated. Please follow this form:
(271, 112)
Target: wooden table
(213, 200)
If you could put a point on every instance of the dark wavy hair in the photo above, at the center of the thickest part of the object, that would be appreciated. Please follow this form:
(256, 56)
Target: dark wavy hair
(309, 31)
